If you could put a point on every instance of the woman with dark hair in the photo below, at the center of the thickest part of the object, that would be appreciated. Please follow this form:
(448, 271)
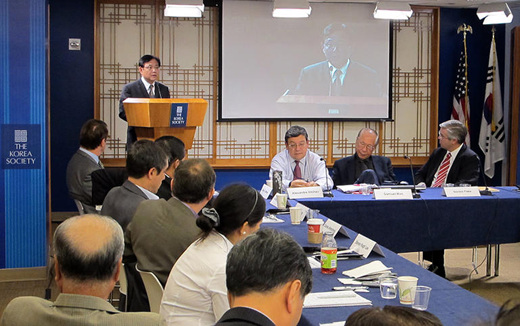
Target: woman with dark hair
(195, 293)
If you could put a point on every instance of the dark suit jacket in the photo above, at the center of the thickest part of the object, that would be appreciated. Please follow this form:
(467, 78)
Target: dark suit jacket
(79, 180)
(121, 203)
(136, 89)
(360, 80)
(243, 316)
(465, 168)
(344, 170)
(165, 190)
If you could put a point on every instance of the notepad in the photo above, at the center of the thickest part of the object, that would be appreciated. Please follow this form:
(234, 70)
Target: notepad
(335, 299)
(373, 267)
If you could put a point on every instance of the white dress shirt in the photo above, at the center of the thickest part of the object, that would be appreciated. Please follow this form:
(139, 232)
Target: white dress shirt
(312, 168)
(196, 293)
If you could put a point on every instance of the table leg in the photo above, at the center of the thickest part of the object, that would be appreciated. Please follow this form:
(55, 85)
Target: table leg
(420, 259)
(488, 260)
(474, 260)
(497, 258)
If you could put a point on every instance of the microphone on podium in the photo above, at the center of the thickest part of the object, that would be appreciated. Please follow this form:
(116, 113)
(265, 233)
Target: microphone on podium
(328, 192)
(485, 192)
(415, 193)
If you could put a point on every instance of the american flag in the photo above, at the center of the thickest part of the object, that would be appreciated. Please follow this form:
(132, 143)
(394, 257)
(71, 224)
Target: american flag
(460, 109)
(492, 134)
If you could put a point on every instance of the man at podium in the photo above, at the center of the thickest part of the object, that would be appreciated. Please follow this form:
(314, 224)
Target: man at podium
(145, 87)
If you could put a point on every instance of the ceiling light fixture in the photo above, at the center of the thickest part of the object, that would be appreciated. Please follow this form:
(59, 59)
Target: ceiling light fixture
(291, 9)
(184, 8)
(393, 10)
(495, 13)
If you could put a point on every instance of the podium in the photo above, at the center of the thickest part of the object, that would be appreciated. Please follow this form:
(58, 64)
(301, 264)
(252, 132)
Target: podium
(151, 117)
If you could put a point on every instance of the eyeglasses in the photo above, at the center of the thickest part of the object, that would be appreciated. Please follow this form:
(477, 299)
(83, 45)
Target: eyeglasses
(294, 145)
(367, 146)
(152, 67)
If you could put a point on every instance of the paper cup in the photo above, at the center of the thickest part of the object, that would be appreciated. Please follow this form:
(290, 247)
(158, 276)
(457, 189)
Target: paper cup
(315, 230)
(407, 286)
(281, 201)
(296, 213)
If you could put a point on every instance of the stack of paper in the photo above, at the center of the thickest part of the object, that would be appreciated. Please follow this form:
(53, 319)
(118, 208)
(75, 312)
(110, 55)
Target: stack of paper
(334, 299)
(372, 268)
(349, 188)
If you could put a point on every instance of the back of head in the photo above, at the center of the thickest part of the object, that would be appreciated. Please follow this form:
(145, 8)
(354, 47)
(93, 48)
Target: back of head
(88, 247)
(392, 316)
(295, 131)
(193, 180)
(173, 147)
(456, 130)
(92, 133)
(147, 58)
(509, 313)
(265, 261)
(144, 155)
(235, 205)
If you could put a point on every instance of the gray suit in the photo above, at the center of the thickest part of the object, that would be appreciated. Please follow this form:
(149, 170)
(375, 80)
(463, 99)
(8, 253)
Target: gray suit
(159, 233)
(121, 203)
(71, 310)
(79, 181)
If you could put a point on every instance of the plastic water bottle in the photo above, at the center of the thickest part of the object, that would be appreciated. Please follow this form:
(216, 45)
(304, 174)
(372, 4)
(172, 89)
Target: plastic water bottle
(329, 254)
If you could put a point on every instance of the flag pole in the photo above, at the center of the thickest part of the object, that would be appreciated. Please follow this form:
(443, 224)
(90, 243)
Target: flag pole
(465, 29)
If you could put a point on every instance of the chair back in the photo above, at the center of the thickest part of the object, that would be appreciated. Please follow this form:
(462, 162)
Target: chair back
(154, 289)
(80, 207)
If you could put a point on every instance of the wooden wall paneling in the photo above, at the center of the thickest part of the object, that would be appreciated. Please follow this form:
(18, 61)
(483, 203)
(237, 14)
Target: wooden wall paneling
(515, 106)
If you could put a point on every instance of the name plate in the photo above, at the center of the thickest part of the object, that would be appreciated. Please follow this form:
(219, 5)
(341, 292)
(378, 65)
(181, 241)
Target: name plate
(335, 227)
(461, 191)
(266, 191)
(304, 192)
(364, 246)
(393, 194)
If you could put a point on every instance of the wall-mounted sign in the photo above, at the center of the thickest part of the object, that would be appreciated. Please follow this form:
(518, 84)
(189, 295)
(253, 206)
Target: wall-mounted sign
(21, 146)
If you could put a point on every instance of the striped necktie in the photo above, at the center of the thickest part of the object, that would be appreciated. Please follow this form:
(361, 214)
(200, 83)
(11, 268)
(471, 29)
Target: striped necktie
(443, 172)
(150, 91)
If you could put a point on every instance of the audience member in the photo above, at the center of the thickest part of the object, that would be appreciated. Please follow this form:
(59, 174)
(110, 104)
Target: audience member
(363, 167)
(145, 164)
(88, 252)
(161, 230)
(145, 87)
(300, 167)
(174, 148)
(195, 292)
(392, 316)
(453, 162)
(92, 141)
(267, 276)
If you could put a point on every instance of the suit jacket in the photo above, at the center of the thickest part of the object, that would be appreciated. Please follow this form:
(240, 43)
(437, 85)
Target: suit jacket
(465, 167)
(244, 316)
(79, 180)
(121, 203)
(159, 233)
(165, 190)
(136, 89)
(360, 80)
(71, 310)
(344, 170)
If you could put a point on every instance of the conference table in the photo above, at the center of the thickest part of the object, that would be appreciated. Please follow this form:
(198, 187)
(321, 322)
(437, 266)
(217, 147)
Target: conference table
(431, 222)
(451, 303)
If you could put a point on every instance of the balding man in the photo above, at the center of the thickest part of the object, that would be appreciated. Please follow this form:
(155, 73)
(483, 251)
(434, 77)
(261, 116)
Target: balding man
(88, 251)
(363, 167)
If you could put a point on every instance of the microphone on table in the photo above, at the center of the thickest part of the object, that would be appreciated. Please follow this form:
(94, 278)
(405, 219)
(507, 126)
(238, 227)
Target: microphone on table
(485, 192)
(415, 193)
(328, 192)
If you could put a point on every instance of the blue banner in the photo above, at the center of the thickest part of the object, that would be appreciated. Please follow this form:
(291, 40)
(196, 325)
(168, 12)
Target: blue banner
(21, 146)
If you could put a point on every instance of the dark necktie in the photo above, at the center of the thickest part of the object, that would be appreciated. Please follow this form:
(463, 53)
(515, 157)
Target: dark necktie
(150, 91)
(297, 174)
(336, 83)
(364, 165)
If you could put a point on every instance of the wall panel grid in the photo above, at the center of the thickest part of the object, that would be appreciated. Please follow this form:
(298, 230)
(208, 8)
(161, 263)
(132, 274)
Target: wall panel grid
(188, 49)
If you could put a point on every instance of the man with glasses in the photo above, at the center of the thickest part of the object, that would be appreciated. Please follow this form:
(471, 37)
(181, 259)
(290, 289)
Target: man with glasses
(146, 86)
(363, 167)
(452, 162)
(300, 167)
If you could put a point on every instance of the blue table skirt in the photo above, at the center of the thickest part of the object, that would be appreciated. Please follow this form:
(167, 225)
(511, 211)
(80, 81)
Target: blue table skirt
(430, 222)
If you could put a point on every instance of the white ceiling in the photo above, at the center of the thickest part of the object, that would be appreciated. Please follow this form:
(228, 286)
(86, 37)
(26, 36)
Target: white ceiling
(437, 3)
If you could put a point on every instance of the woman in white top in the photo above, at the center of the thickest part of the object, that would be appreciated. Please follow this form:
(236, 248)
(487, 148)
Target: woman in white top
(195, 293)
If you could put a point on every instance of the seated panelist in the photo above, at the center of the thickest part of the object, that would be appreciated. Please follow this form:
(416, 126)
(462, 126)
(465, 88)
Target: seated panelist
(300, 167)
(363, 167)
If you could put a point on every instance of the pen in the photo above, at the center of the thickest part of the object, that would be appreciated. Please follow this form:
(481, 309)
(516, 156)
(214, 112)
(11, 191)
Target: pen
(349, 288)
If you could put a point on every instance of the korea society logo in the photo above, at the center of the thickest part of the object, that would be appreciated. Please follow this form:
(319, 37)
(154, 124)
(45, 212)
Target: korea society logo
(21, 147)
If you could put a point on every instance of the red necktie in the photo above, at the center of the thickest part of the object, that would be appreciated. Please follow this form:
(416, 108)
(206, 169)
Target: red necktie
(297, 174)
(443, 172)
